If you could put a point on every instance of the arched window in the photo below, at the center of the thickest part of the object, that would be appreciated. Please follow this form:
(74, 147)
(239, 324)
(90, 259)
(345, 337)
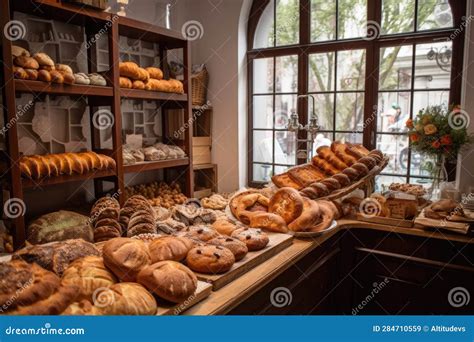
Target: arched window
(370, 64)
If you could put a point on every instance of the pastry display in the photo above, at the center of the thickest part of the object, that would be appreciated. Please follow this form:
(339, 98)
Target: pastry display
(158, 193)
(254, 239)
(210, 259)
(169, 248)
(169, 280)
(89, 274)
(56, 256)
(125, 257)
(50, 165)
(237, 247)
(216, 202)
(28, 289)
(58, 226)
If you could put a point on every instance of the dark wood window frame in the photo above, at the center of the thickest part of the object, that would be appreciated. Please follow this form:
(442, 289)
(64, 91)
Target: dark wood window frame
(372, 47)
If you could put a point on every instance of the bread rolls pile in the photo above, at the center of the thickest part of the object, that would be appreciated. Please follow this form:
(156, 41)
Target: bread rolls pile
(51, 165)
(134, 77)
(158, 193)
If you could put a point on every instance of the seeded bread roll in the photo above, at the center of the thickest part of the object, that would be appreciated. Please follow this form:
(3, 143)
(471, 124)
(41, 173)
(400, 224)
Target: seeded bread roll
(169, 280)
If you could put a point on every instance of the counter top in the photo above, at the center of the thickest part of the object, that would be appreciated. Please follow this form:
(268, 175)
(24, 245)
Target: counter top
(225, 299)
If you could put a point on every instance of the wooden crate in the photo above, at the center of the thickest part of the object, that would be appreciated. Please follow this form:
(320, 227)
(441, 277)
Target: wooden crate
(205, 180)
(202, 135)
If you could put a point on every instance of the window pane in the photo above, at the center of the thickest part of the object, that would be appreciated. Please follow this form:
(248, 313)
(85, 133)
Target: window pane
(323, 20)
(285, 144)
(433, 65)
(426, 183)
(434, 14)
(393, 112)
(354, 138)
(284, 105)
(286, 74)
(423, 99)
(287, 22)
(351, 70)
(263, 146)
(382, 182)
(352, 19)
(396, 147)
(421, 165)
(262, 75)
(281, 169)
(262, 172)
(349, 111)
(321, 72)
(395, 67)
(265, 35)
(263, 112)
(324, 110)
(398, 16)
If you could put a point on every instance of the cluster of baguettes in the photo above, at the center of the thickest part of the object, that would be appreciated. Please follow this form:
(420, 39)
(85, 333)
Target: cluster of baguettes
(40, 166)
(334, 167)
(134, 77)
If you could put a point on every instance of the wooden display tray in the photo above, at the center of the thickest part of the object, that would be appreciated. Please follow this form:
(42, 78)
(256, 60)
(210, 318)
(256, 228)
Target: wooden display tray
(457, 227)
(155, 165)
(278, 242)
(389, 221)
(202, 292)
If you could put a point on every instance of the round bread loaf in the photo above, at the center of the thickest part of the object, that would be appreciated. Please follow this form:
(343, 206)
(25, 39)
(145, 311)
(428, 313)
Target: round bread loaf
(125, 257)
(169, 280)
(88, 274)
(254, 239)
(210, 259)
(224, 226)
(201, 232)
(237, 247)
(126, 299)
(169, 248)
(287, 203)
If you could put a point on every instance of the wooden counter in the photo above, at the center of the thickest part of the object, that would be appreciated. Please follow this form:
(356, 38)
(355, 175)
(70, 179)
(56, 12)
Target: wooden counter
(230, 296)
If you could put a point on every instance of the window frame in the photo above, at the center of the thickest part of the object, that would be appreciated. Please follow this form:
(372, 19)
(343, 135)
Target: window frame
(372, 47)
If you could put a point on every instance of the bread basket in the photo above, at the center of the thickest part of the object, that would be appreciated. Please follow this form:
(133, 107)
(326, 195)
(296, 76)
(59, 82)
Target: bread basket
(199, 82)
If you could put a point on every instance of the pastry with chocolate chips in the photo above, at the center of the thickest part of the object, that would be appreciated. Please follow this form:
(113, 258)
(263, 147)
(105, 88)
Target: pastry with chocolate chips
(210, 259)
(254, 238)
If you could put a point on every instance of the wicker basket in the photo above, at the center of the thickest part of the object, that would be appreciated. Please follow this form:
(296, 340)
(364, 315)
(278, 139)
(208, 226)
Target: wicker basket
(199, 82)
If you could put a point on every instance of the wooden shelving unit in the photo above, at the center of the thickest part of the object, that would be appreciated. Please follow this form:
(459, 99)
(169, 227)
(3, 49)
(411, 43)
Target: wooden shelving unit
(93, 22)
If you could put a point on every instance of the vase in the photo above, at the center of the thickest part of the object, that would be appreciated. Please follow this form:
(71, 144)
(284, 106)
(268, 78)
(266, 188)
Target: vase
(439, 175)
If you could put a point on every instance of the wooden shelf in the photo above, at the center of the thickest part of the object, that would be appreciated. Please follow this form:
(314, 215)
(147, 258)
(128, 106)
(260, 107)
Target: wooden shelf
(156, 165)
(31, 184)
(38, 87)
(151, 95)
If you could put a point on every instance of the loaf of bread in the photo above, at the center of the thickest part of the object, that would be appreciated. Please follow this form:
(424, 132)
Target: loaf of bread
(169, 280)
(126, 299)
(169, 248)
(44, 76)
(43, 59)
(125, 257)
(64, 68)
(125, 82)
(26, 62)
(32, 74)
(155, 73)
(18, 51)
(137, 84)
(129, 70)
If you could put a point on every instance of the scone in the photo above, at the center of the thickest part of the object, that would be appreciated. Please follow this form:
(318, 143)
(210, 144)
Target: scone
(200, 232)
(210, 259)
(224, 226)
(237, 247)
(255, 239)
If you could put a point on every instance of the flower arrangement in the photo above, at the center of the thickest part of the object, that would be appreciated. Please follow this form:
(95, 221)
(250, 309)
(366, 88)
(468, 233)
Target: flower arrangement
(439, 131)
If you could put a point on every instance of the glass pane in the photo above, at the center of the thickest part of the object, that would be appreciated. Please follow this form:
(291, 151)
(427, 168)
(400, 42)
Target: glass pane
(433, 65)
(352, 17)
(263, 146)
(393, 111)
(285, 146)
(263, 112)
(349, 111)
(355, 138)
(383, 182)
(351, 70)
(398, 16)
(262, 172)
(421, 165)
(321, 72)
(434, 14)
(396, 147)
(322, 139)
(323, 20)
(287, 22)
(324, 110)
(423, 99)
(265, 34)
(395, 67)
(286, 74)
(426, 183)
(279, 169)
(263, 75)
(284, 105)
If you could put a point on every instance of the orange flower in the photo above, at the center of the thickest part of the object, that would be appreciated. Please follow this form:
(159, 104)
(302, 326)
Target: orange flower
(414, 137)
(409, 123)
(446, 140)
(430, 129)
(436, 144)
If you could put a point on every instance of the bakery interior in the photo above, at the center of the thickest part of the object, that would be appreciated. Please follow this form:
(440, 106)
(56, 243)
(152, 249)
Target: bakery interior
(237, 157)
